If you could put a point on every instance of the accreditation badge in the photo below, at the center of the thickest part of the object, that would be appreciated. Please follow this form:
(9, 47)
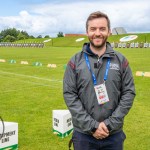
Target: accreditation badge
(101, 93)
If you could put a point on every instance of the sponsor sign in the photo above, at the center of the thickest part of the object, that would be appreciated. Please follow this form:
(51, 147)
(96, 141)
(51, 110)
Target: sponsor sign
(47, 40)
(128, 38)
(80, 39)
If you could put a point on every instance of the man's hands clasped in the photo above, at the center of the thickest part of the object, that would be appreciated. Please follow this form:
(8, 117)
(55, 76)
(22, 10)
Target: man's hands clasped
(101, 132)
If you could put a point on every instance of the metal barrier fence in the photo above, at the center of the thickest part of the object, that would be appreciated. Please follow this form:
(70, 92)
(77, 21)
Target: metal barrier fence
(130, 45)
(9, 44)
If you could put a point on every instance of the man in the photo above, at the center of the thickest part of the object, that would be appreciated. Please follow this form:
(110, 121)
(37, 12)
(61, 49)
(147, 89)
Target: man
(98, 90)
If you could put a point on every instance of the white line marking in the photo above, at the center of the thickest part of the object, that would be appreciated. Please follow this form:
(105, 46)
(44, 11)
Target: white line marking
(22, 75)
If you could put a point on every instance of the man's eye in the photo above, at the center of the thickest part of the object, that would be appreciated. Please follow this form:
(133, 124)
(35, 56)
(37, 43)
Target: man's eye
(92, 29)
(102, 29)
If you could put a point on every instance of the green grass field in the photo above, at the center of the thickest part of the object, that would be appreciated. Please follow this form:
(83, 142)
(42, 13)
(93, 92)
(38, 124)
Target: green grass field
(28, 94)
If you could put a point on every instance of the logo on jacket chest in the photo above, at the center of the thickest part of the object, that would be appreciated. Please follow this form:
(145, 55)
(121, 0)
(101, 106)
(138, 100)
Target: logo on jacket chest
(114, 66)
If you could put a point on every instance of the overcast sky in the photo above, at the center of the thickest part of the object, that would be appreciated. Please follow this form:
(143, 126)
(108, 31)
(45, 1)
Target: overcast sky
(48, 17)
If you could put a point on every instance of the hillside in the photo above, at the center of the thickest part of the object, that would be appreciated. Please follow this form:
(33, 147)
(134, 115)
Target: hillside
(71, 41)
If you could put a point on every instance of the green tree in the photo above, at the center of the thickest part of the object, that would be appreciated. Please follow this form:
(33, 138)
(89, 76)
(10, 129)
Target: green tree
(16, 34)
(47, 36)
(11, 31)
(31, 37)
(1, 38)
(40, 36)
(21, 36)
(25, 34)
(9, 38)
(60, 34)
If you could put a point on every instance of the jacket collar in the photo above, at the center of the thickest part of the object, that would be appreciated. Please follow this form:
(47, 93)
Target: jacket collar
(108, 53)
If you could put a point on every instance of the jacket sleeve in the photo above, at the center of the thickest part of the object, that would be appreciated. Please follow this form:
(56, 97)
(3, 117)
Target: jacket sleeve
(115, 121)
(80, 118)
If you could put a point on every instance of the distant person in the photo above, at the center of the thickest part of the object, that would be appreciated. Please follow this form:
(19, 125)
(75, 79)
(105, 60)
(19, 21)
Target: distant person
(98, 90)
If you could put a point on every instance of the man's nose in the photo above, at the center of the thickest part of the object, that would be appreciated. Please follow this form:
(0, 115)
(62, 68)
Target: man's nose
(97, 32)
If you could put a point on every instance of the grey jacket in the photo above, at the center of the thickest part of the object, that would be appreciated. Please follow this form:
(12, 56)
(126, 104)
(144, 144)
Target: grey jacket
(80, 96)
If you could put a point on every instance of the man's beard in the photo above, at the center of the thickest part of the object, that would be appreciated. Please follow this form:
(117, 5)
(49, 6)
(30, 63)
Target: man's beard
(98, 46)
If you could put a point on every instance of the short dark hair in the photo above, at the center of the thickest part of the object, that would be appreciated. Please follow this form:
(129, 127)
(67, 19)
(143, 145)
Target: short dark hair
(96, 15)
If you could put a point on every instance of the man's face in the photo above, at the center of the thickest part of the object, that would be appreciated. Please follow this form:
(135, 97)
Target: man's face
(98, 32)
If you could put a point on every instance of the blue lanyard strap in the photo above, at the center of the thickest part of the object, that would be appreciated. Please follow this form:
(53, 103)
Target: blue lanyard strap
(107, 69)
(93, 75)
(89, 67)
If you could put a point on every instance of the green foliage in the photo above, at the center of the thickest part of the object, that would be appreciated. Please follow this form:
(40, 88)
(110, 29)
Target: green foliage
(9, 38)
(47, 36)
(25, 34)
(60, 34)
(12, 34)
(21, 36)
(29, 93)
(40, 36)
(31, 37)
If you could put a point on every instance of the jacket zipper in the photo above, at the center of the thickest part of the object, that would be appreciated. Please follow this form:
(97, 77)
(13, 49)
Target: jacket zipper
(98, 62)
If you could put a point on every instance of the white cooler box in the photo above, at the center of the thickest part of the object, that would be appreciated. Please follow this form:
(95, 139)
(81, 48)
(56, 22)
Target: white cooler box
(62, 123)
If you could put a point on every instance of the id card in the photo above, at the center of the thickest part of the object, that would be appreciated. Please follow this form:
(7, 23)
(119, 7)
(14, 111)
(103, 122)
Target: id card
(101, 93)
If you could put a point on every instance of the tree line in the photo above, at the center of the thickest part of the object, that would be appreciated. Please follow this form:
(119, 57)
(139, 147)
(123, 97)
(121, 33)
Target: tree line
(12, 35)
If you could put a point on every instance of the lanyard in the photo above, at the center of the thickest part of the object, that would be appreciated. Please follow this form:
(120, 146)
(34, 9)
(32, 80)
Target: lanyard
(93, 75)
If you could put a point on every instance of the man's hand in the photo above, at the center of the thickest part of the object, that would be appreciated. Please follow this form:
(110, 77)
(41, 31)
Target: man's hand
(101, 132)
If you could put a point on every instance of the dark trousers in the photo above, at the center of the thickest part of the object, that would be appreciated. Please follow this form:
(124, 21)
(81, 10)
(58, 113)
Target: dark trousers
(88, 142)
